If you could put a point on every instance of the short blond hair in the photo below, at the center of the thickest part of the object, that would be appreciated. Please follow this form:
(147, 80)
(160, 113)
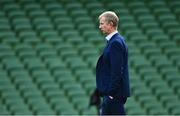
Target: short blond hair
(110, 16)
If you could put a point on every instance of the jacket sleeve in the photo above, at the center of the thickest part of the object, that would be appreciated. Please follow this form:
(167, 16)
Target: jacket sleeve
(116, 67)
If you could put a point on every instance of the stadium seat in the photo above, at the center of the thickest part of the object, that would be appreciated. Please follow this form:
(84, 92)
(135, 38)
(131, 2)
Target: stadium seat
(133, 107)
(65, 109)
(3, 109)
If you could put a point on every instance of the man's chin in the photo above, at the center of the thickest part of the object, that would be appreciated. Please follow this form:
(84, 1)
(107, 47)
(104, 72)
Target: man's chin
(104, 33)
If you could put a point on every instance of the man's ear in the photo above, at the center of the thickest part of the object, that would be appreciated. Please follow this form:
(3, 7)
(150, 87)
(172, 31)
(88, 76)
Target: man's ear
(111, 23)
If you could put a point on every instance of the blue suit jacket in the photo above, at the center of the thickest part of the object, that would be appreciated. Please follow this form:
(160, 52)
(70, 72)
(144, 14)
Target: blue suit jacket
(112, 78)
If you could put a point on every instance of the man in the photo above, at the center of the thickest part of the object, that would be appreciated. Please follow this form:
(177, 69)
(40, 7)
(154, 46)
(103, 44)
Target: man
(112, 78)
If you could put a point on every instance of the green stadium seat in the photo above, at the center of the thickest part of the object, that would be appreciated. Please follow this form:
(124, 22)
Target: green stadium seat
(3, 109)
(47, 33)
(52, 40)
(64, 79)
(2, 14)
(160, 61)
(171, 51)
(34, 10)
(39, 106)
(20, 110)
(116, 5)
(43, 53)
(73, 38)
(175, 84)
(174, 5)
(61, 20)
(145, 46)
(151, 76)
(21, 23)
(61, 27)
(54, 63)
(150, 51)
(56, 103)
(68, 111)
(46, 85)
(85, 27)
(175, 37)
(80, 102)
(82, 20)
(40, 72)
(134, 108)
(20, 78)
(7, 34)
(136, 111)
(140, 92)
(160, 89)
(87, 52)
(170, 69)
(4, 23)
(12, 64)
(51, 94)
(161, 93)
(157, 111)
(139, 61)
(172, 106)
(9, 39)
(125, 18)
(69, 87)
(89, 87)
(12, 99)
(15, 12)
(1, 66)
(42, 22)
(85, 77)
(75, 63)
(94, 7)
(93, 36)
(27, 89)
(26, 33)
(24, 51)
(62, 72)
(130, 25)
(165, 21)
(33, 63)
(76, 10)
(89, 111)
(146, 21)
(6, 52)
(173, 31)
(56, 13)
(51, 5)
(66, 52)
(30, 39)
(92, 60)
(175, 110)
(16, 72)
(75, 93)
(43, 46)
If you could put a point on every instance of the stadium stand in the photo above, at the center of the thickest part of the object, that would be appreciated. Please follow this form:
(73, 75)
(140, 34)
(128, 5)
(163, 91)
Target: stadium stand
(49, 50)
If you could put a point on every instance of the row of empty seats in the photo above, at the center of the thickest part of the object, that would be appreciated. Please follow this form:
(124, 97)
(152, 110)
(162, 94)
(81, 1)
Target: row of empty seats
(49, 50)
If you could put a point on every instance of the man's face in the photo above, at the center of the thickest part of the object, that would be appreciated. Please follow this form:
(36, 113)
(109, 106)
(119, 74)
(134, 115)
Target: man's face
(104, 26)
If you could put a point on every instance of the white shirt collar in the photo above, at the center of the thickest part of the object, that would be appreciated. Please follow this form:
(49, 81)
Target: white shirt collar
(108, 37)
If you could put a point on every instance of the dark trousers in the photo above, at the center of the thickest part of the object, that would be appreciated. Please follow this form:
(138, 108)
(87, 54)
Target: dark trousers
(112, 106)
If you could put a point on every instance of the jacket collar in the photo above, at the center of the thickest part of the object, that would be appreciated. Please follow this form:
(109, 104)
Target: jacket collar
(108, 37)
